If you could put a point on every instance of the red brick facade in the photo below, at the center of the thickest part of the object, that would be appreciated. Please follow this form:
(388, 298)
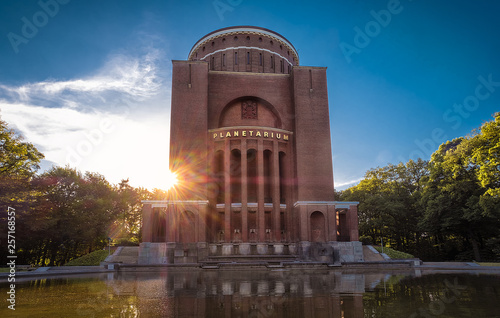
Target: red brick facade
(250, 142)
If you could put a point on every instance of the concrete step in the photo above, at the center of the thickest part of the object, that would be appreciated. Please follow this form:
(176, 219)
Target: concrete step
(276, 259)
(130, 251)
(125, 255)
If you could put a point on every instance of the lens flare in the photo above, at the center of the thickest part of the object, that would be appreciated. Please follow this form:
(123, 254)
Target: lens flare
(171, 180)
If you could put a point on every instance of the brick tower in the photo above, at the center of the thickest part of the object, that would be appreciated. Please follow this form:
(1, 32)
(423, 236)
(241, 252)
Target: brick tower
(250, 144)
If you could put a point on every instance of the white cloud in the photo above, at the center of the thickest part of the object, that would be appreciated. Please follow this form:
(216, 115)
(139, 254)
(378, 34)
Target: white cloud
(115, 122)
(122, 80)
(344, 184)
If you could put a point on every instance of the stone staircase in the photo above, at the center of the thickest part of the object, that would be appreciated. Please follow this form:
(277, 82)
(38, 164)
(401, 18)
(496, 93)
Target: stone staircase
(267, 260)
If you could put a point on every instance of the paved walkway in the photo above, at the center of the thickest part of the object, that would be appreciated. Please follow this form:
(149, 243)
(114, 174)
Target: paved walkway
(59, 270)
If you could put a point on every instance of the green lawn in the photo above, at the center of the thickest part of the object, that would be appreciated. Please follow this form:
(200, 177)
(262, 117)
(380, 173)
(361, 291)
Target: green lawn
(92, 259)
(393, 253)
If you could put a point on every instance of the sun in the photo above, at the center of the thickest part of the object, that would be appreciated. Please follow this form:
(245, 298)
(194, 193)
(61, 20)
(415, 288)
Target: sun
(170, 180)
(160, 179)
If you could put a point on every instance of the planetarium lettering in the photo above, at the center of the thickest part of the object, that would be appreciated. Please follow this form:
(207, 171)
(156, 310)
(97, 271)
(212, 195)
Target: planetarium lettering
(251, 133)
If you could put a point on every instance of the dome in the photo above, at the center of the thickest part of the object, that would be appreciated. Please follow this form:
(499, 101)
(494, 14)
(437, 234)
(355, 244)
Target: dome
(245, 49)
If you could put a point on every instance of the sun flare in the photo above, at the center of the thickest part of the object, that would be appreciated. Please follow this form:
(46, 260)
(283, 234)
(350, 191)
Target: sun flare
(170, 180)
(161, 179)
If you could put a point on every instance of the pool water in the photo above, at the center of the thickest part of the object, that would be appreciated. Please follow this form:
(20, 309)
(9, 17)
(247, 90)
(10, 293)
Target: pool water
(258, 293)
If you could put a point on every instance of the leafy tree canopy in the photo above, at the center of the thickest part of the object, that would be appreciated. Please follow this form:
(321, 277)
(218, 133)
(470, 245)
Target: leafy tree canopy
(16, 156)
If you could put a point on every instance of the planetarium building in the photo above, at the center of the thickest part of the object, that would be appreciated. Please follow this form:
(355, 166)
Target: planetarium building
(250, 144)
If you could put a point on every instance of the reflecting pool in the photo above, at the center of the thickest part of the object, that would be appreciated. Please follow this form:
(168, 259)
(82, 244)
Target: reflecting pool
(258, 293)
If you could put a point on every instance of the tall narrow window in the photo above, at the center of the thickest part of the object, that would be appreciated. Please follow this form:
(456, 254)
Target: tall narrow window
(272, 62)
(252, 177)
(223, 59)
(213, 63)
(235, 58)
(248, 57)
(282, 67)
(260, 59)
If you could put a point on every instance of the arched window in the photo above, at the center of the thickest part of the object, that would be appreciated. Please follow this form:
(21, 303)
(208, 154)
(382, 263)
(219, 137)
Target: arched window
(252, 175)
(218, 178)
(235, 175)
(317, 227)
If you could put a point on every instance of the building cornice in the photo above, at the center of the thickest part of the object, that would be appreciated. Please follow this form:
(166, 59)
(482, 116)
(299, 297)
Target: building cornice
(337, 204)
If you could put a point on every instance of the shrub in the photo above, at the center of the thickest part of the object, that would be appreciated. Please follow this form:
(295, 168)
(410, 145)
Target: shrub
(127, 242)
(92, 259)
(392, 253)
(366, 240)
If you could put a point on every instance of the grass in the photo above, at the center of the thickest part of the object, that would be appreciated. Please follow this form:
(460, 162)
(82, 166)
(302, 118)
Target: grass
(92, 259)
(392, 253)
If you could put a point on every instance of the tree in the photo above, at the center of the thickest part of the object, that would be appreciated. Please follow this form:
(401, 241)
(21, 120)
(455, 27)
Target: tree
(17, 157)
(389, 198)
(128, 224)
(19, 161)
(71, 215)
(486, 156)
(445, 209)
(453, 214)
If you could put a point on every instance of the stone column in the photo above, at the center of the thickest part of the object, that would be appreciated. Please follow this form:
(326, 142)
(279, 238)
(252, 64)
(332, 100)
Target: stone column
(175, 211)
(276, 192)
(244, 191)
(358, 310)
(201, 229)
(170, 211)
(304, 223)
(227, 191)
(332, 224)
(147, 211)
(260, 192)
(353, 223)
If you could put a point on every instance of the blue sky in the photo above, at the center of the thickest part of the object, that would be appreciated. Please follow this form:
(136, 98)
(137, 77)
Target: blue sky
(88, 82)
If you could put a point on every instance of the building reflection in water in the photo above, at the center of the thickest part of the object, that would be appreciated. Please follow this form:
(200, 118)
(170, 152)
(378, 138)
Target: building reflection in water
(280, 293)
